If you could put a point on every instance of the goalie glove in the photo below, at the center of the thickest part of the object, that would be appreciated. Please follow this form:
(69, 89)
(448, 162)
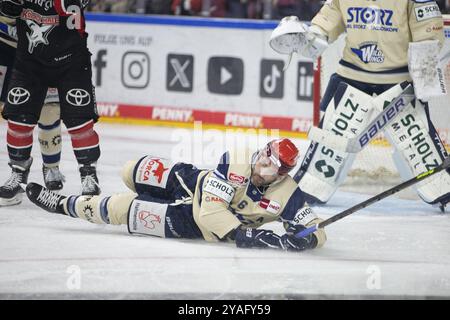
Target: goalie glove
(11, 8)
(293, 36)
(257, 238)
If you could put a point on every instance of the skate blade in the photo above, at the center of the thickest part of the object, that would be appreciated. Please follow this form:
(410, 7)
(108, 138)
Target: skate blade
(4, 202)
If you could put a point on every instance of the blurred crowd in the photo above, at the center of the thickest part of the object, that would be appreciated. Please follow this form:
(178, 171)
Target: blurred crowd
(252, 9)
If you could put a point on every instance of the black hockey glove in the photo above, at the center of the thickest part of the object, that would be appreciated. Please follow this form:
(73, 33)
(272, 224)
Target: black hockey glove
(292, 243)
(257, 238)
(11, 8)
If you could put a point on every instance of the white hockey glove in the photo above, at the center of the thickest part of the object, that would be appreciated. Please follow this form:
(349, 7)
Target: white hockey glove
(426, 69)
(293, 36)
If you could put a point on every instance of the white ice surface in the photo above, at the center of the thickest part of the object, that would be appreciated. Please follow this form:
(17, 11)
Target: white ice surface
(395, 248)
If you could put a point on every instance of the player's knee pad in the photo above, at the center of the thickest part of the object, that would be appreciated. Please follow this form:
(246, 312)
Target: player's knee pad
(148, 218)
(151, 175)
(324, 169)
(418, 149)
(128, 174)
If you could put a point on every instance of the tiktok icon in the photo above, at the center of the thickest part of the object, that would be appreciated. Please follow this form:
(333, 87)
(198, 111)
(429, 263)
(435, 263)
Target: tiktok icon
(272, 79)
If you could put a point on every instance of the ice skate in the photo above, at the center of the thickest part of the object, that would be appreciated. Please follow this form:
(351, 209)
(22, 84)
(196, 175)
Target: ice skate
(45, 198)
(89, 180)
(11, 192)
(53, 178)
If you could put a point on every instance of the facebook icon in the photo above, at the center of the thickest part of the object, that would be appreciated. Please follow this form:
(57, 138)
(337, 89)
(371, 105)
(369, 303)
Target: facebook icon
(100, 64)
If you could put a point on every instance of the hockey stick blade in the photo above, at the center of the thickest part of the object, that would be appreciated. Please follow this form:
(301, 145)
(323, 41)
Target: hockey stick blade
(356, 144)
(443, 166)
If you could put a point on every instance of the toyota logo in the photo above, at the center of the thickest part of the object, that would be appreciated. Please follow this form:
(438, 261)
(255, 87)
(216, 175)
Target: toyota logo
(78, 97)
(18, 96)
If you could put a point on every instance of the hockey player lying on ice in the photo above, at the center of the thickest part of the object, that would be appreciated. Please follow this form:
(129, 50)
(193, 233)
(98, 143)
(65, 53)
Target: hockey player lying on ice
(177, 200)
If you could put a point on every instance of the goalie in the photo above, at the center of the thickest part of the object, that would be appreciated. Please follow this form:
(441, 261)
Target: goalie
(177, 200)
(388, 45)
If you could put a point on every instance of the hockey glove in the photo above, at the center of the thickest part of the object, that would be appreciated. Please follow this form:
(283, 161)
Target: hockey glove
(292, 243)
(257, 238)
(11, 8)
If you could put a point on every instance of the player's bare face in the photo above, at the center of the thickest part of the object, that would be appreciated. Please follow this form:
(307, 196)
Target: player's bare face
(265, 172)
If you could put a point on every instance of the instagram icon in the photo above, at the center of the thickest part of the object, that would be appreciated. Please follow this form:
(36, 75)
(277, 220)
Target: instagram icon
(135, 70)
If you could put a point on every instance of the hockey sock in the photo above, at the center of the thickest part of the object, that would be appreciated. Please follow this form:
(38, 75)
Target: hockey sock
(85, 142)
(50, 142)
(19, 139)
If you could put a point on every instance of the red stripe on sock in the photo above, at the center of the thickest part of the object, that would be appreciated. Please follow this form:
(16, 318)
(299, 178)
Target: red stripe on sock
(84, 137)
(18, 135)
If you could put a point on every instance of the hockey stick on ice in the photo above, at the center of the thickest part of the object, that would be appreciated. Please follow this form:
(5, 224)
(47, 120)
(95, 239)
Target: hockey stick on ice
(378, 197)
(356, 144)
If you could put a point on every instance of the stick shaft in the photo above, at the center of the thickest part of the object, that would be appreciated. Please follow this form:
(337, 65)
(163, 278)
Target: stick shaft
(378, 197)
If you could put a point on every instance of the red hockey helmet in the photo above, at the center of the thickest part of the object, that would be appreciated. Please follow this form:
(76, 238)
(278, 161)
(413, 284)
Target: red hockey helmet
(284, 154)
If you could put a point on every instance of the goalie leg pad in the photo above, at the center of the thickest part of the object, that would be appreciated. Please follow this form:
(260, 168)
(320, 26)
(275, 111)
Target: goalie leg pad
(347, 113)
(419, 149)
(156, 217)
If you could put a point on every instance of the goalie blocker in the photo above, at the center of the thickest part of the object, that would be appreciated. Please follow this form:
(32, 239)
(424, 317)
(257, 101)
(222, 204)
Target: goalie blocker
(349, 107)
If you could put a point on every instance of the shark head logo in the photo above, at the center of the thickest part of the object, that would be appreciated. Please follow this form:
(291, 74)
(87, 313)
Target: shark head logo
(37, 35)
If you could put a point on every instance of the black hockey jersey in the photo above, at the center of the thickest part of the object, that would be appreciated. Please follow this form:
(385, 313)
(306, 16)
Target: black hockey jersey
(50, 31)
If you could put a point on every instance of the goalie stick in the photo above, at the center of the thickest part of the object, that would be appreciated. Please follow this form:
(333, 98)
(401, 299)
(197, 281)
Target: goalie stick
(443, 166)
(356, 144)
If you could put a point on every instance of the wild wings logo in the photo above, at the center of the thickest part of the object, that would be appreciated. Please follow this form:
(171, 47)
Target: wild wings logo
(369, 53)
